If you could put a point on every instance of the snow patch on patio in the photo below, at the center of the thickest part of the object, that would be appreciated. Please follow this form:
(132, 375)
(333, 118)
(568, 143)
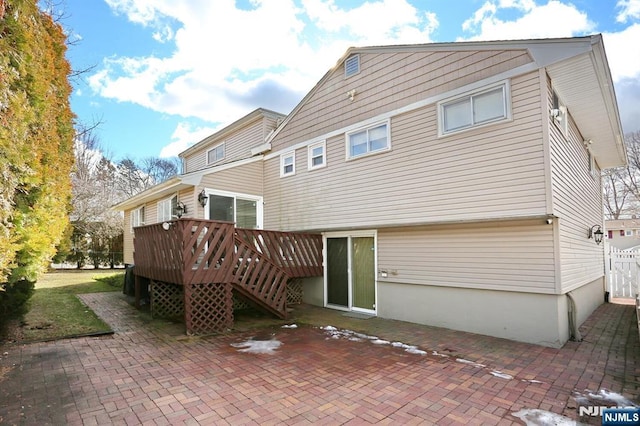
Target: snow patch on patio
(501, 375)
(466, 361)
(535, 417)
(602, 397)
(354, 336)
(290, 326)
(258, 346)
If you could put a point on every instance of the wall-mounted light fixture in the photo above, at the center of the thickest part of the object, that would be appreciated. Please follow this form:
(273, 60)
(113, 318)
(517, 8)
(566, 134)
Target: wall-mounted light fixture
(166, 225)
(596, 233)
(202, 198)
(351, 94)
(180, 209)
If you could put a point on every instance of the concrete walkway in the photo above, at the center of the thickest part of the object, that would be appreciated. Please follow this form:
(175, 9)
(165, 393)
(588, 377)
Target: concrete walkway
(149, 373)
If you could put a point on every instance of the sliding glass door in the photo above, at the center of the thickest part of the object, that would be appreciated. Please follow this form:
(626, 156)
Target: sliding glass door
(351, 272)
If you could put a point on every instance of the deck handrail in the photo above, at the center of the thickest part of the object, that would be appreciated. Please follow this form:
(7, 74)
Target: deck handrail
(191, 251)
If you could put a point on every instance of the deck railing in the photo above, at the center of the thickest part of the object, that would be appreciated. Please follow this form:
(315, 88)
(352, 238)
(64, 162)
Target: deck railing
(298, 254)
(184, 251)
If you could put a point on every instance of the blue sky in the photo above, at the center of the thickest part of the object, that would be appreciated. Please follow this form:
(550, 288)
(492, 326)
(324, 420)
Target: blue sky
(167, 73)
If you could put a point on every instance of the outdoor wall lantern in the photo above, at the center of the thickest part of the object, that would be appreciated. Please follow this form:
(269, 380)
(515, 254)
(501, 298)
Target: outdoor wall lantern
(596, 233)
(180, 209)
(202, 198)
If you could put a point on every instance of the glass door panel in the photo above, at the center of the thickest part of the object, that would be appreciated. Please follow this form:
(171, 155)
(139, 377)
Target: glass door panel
(363, 272)
(337, 271)
(246, 214)
(221, 208)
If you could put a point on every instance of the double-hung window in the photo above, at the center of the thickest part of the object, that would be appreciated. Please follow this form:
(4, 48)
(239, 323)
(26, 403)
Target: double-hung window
(476, 109)
(167, 208)
(215, 154)
(137, 217)
(317, 155)
(368, 141)
(288, 164)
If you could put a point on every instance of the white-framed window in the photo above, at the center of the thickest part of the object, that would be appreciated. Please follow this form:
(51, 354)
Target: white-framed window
(488, 105)
(215, 154)
(167, 208)
(243, 209)
(288, 164)
(628, 233)
(317, 157)
(369, 140)
(137, 217)
(352, 65)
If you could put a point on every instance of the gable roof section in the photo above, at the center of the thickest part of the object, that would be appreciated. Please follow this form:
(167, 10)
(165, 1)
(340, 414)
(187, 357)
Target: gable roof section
(230, 129)
(577, 66)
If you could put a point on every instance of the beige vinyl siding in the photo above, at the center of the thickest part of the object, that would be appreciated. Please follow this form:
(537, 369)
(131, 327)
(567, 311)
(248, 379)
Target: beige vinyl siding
(127, 243)
(390, 81)
(512, 255)
(577, 201)
(246, 179)
(237, 146)
(496, 171)
(189, 198)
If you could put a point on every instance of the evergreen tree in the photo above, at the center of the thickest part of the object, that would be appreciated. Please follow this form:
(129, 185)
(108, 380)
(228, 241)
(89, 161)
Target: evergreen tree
(36, 146)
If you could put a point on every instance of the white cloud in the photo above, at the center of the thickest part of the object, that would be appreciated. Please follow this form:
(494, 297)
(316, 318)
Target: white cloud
(623, 55)
(554, 19)
(630, 10)
(229, 61)
(623, 52)
(184, 136)
(374, 22)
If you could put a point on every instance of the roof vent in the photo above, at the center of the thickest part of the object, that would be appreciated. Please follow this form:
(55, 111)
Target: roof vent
(352, 65)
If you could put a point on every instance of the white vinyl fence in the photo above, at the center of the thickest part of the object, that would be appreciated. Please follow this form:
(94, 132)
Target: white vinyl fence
(623, 273)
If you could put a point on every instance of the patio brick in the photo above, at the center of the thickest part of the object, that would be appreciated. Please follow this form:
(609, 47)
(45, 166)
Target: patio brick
(150, 373)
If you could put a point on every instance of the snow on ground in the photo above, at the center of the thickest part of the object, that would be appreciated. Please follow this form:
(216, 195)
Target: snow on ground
(535, 417)
(466, 361)
(501, 375)
(258, 346)
(290, 326)
(603, 397)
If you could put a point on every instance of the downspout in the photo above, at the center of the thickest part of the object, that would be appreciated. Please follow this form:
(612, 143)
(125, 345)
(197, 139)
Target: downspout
(573, 320)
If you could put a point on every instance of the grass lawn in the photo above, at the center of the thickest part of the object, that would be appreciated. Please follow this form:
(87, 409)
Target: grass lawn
(55, 311)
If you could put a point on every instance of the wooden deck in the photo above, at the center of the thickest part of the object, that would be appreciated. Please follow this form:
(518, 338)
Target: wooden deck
(209, 259)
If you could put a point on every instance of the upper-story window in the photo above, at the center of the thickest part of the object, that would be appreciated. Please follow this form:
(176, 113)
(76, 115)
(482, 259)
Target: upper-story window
(368, 141)
(167, 208)
(352, 65)
(317, 156)
(137, 217)
(288, 164)
(215, 154)
(474, 109)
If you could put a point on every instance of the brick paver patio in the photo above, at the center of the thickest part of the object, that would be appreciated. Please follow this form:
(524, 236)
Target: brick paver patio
(146, 373)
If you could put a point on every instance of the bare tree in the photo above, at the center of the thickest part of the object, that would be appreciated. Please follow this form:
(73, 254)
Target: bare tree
(95, 225)
(621, 185)
(616, 192)
(160, 169)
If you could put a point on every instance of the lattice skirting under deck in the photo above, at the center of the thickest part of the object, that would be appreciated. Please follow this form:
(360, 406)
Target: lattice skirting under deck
(294, 292)
(208, 308)
(167, 300)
